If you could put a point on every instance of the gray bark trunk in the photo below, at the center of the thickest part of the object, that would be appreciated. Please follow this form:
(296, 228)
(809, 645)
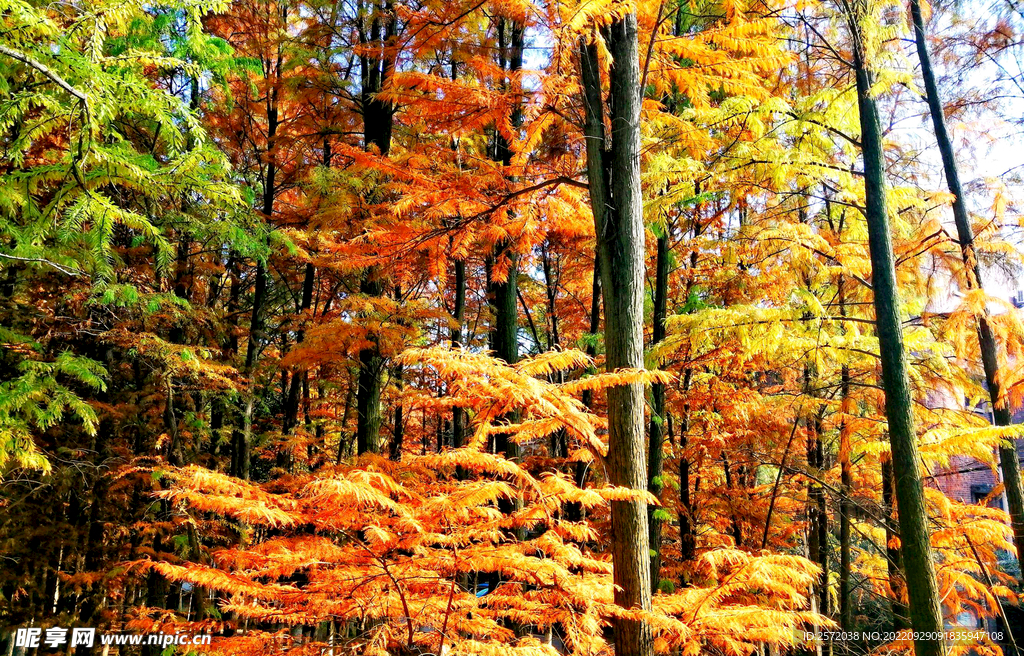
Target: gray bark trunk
(618, 216)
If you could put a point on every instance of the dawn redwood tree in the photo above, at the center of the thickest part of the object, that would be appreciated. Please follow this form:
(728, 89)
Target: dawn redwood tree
(659, 419)
(922, 587)
(994, 377)
(761, 326)
(377, 64)
(613, 172)
(503, 289)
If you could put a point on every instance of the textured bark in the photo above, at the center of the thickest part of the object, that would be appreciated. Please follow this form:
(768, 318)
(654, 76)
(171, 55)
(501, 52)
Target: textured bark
(618, 215)
(378, 118)
(503, 293)
(925, 609)
(1008, 459)
(656, 431)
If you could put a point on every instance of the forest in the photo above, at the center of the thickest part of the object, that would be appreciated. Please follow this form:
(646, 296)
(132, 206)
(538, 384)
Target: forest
(511, 327)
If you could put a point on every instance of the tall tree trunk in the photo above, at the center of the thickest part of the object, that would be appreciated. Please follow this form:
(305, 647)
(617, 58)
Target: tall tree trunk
(574, 511)
(818, 513)
(894, 561)
(687, 523)
(731, 493)
(618, 216)
(345, 441)
(269, 195)
(687, 520)
(398, 435)
(559, 447)
(846, 487)
(458, 319)
(256, 318)
(502, 294)
(1008, 459)
(378, 118)
(505, 330)
(240, 452)
(655, 450)
(371, 380)
(291, 413)
(925, 609)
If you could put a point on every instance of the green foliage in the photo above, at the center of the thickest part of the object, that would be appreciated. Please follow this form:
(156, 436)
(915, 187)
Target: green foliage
(95, 148)
(37, 400)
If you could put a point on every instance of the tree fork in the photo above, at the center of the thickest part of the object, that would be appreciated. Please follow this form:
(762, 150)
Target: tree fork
(618, 220)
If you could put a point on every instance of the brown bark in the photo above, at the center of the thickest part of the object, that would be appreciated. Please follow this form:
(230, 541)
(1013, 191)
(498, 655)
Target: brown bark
(618, 216)
(378, 118)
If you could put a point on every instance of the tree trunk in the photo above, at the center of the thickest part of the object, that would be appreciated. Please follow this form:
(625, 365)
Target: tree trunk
(398, 435)
(818, 514)
(240, 453)
(291, 414)
(925, 609)
(687, 510)
(1008, 459)
(505, 330)
(574, 511)
(620, 241)
(893, 560)
(687, 523)
(345, 443)
(371, 381)
(269, 188)
(559, 446)
(655, 450)
(378, 117)
(817, 511)
(458, 318)
(846, 487)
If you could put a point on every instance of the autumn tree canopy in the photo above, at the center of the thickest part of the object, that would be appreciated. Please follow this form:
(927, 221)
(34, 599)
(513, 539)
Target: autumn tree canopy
(512, 327)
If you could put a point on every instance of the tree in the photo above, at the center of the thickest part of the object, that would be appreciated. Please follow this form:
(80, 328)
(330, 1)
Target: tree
(922, 587)
(1008, 459)
(441, 197)
(613, 172)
